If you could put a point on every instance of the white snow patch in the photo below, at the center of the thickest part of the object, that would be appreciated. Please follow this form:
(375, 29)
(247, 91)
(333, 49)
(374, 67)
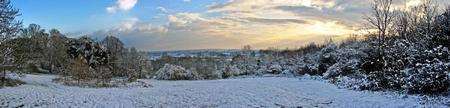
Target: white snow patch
(40, 91)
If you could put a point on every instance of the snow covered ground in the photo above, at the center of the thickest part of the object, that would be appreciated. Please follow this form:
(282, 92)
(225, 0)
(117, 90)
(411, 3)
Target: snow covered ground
(40, 91)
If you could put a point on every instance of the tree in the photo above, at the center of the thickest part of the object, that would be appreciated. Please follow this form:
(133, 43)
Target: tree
(113, 45)
(132, 63)
(381, 18)
(403, 24)
(38, 46)
(247, 48)
(21, 52)
(57, 51)
(9, 27)
(92, 54)
(79, 69)
(116, 49)
(443, 25)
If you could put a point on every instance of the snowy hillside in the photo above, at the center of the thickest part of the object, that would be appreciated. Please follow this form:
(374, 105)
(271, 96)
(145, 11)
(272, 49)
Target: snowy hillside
(40, 91)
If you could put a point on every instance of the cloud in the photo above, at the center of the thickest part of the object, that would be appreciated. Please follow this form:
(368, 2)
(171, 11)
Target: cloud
(163, 10)
(184, 31)
(122, 5)
(135, 25)
(274, 21)
(260, 23)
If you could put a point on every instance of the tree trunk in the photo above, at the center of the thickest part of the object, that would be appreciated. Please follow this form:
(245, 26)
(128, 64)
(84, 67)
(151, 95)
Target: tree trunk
(51, 64)
(3, 77)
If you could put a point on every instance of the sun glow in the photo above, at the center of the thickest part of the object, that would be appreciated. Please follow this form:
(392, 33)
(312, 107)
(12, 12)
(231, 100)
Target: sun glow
(331, 28)
(302, 33)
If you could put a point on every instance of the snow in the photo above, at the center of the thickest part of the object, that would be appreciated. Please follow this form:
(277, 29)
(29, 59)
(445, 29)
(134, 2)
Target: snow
(40, 91)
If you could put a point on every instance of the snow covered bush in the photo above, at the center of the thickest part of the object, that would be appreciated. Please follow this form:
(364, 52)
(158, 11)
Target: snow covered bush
(308, 65)
(348, 62)
(342, 69)
(11, 79)
(399, 66)
(427, 78)
(275, 69)
(328, 57)
(230, 71)
(374, 62)
(311, 69)
(216, 74)
(287, 73)
(443, 25)
(260, 71)
(172, 72)
(385, 80)
(359, 82)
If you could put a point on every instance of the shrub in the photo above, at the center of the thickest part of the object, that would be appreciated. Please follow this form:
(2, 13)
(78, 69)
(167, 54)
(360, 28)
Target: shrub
(32, 68)
(172, 72)
(342, 69)
(374, 62)
(355, 82)
(427, 79)
(275, 69)
(328, 57)
(382, 80)
(311, 69)
(10, 82)
(287, 73)
(308, 65)
(231, 70)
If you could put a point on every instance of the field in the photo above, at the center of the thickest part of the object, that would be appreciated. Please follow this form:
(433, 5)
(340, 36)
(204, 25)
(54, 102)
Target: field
(305, 91)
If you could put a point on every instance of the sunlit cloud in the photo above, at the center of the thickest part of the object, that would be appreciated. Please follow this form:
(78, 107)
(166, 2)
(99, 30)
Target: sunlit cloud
(259, 23)
(122, 5)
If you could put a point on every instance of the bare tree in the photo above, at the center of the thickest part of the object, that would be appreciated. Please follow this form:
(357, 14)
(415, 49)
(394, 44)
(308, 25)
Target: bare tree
(416, 24)
(402, 24)
(247, 48)
(9, 27)
(381, 18)
(426, 13)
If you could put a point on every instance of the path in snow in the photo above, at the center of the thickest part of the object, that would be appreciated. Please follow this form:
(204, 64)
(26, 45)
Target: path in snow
(246, 92)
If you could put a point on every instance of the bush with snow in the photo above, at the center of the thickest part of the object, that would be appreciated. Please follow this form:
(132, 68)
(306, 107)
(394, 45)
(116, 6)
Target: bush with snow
(230, 71)
(342, 69)
(172, 72)
(275, 69)
(308, 65)
(287, 73)
(348, 62)
(214, 74)
(328, 57)
(260, 71)
(428, 78)
(352, 82)
(11, 80)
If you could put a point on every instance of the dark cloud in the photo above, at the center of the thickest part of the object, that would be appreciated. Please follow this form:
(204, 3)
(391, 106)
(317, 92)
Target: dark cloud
(218, 5)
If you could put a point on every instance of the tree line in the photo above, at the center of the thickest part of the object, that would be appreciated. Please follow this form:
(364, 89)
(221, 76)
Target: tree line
(32, 49)
(81, 58)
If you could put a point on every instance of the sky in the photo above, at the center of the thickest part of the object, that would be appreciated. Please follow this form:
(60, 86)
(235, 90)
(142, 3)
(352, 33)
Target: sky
(204, 24)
